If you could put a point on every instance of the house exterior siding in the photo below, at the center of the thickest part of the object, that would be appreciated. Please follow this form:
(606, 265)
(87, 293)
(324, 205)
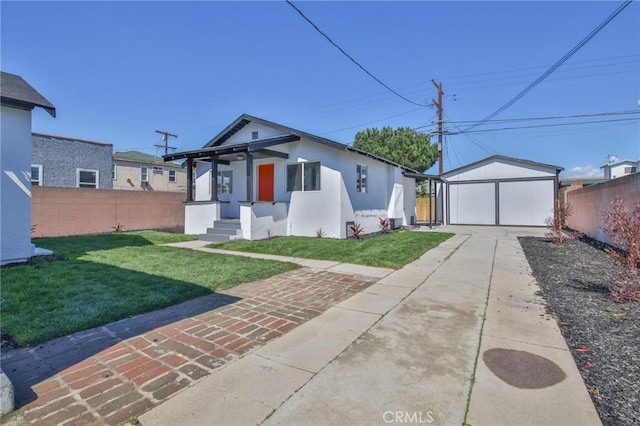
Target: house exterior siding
(16, 186)
(62, 157)
(337, 202)
(128, 177)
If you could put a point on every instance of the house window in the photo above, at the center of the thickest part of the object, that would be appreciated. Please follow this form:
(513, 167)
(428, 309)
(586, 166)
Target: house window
(36, 175)
(225, 182)
(303, 177)
(158, 169)
(144, 174)
(113, 172)
(361, 184)
(172, 176)
(254, 135)
(87, 178)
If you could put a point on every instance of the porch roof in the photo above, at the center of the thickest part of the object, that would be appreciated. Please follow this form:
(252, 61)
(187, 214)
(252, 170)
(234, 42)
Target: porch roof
(219, 145)
(258, 147)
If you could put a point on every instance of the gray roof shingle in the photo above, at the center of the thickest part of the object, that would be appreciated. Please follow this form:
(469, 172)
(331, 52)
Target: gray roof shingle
(18, 93)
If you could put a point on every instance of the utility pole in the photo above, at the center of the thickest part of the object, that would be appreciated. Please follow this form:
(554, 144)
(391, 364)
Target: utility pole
(165, 139)
(438, 105)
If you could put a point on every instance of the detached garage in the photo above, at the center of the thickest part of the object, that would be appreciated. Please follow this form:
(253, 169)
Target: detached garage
(501, 190)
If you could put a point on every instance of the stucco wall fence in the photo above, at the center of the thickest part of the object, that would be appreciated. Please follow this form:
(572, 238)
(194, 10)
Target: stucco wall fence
(81, 211)
(589, 202)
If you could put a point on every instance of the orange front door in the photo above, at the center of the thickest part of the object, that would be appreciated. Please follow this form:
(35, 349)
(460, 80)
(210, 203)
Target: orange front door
(265, 182)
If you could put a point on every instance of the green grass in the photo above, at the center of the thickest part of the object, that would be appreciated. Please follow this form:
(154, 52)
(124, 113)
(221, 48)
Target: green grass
(388, 251)
(109, 277)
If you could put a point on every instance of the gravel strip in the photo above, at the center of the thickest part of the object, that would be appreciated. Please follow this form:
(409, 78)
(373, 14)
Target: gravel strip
(603, 336)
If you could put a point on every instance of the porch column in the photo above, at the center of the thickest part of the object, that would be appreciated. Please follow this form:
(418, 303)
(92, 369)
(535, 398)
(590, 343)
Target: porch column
(214, 179)
(189, 179)
(249, 176)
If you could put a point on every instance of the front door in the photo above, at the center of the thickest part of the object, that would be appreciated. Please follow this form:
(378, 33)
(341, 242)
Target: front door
(265, 182)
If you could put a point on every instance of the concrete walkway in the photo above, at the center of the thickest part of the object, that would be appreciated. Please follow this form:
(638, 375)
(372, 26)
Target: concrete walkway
(458, 336)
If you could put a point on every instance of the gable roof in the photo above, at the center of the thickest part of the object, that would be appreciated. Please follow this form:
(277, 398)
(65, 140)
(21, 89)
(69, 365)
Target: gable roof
(17, 93)
(494, 158)
(142, 158)
(217, 146)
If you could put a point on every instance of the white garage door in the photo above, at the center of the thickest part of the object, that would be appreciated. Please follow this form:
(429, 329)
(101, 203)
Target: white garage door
(472, 204)
(526, 203)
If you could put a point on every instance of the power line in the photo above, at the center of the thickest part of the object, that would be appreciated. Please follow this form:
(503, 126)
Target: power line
(552, 117)
(371, 122)
(544, 125)
(555, 66)
(350, 57)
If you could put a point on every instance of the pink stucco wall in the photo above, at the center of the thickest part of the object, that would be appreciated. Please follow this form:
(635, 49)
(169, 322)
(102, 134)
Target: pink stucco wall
(588, 203)
(78, 211)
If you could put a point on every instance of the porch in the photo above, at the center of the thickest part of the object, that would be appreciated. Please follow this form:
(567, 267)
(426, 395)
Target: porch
(251, 211)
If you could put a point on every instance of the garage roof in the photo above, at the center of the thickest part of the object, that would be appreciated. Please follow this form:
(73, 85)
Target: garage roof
(494, 158)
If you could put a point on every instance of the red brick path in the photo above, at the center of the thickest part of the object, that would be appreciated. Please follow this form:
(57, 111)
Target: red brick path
(109, 374)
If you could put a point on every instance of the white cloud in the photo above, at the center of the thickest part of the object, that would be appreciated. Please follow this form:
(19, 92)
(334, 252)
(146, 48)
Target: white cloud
(585, 171)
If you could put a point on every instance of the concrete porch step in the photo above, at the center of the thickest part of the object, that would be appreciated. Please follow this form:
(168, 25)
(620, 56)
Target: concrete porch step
(227, 224)
(214, 238)
(223, 230)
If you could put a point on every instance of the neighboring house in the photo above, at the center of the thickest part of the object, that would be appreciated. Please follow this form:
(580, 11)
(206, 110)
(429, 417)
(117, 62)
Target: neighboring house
(276, 180)
(569, 184)
(137, 171)
(17, 100)
(501, 190)
(70, 162)
(620, 168)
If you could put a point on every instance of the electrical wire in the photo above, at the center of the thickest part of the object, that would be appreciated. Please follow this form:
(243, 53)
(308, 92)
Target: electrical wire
(465, 131)
(553, 117)
(290, 3)
(555, 66)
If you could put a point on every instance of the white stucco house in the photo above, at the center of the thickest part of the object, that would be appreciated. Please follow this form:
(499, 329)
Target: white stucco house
(257, 179)
(499, 190)
(18, 99)
(620, 168)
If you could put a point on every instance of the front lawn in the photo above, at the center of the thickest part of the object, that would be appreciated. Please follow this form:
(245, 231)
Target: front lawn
(109, 277)
(393, 250)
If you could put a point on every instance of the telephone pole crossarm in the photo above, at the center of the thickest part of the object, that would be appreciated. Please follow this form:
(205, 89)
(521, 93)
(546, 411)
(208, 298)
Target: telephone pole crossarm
(165, 140)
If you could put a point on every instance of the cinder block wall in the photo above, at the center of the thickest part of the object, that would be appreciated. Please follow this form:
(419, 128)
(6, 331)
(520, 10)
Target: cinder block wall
(589, 202)
(80, 211)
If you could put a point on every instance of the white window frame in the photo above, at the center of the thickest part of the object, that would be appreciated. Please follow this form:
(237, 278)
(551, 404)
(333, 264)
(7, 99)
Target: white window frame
(362, 182)
(114, 171)
(303, 165)
(40, 181)
(175, 176)
(221, 177)
(145, 173)
(158, 169)
(97, 172)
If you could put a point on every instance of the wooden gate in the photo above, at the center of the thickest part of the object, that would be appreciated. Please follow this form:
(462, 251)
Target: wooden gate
(423, 204)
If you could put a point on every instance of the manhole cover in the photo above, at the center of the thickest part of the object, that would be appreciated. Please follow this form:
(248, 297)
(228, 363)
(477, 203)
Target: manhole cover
(523, 369)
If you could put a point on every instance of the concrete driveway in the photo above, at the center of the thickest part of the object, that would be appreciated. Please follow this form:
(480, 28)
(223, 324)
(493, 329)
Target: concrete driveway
(458, 336)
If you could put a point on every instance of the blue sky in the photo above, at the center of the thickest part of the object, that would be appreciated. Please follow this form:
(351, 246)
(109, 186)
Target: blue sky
(118, 71)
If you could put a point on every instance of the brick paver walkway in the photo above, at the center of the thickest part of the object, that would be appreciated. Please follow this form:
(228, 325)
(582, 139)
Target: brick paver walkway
(109, 374)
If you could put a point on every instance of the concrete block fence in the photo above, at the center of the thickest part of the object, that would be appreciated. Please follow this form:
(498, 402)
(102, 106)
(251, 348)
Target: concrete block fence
(80, 211)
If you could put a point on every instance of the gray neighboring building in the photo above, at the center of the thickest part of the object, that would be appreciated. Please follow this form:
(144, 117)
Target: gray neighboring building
(69, 162)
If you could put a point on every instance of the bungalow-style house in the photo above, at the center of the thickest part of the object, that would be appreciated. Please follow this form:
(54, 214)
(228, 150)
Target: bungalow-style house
(616, 169)
(17, 100)
(137, 171)
(257, 179)
(67, 162)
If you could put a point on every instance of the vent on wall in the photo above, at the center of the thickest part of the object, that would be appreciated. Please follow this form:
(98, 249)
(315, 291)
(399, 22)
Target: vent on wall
(254, 135)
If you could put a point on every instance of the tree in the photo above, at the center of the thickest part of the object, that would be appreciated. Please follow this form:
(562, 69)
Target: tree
(403, 145)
